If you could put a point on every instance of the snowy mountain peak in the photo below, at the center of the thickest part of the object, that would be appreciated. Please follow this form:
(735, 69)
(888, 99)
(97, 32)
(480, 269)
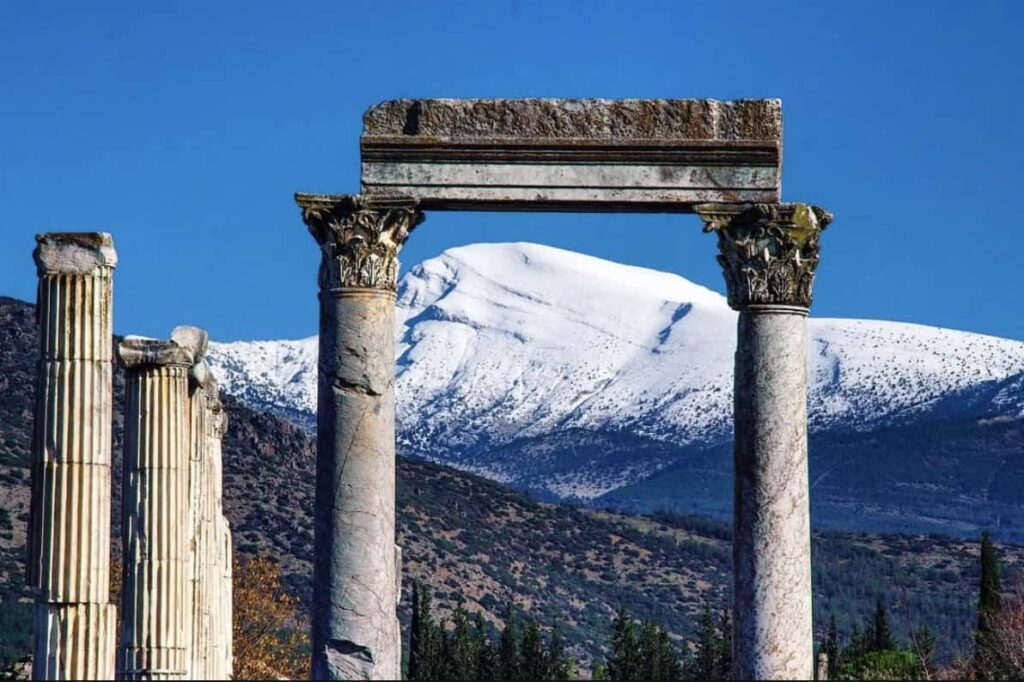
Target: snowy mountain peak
(499, 344)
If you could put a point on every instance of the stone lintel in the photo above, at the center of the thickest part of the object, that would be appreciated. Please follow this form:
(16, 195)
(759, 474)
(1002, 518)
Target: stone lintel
(637, 155)
(74, 253)
(138, 353)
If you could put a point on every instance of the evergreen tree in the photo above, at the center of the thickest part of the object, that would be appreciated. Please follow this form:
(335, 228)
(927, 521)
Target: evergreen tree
(881, 634)
(623, 661)
(531, 652)
(650, 661)
(724, 660)
(486, 659)
(415, 635)
(857, 646)
(426, 641)
(711, 660)
(509, 663)
(987, 660)
(832, 648)
(924, 650)
(599, 673)
(559, 667)
(462, 646)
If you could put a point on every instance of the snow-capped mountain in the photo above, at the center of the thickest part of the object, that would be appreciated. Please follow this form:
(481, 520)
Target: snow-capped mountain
(576, 376)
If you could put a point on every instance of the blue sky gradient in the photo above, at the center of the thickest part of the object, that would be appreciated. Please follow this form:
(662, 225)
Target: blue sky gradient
(185, 129)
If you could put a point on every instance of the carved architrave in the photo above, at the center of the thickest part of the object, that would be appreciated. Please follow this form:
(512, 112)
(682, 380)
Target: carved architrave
(768, 252)
(360, 237)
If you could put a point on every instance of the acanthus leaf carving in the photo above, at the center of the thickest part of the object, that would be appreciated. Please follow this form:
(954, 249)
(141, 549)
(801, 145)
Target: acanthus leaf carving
(360, 237)
(768, 252)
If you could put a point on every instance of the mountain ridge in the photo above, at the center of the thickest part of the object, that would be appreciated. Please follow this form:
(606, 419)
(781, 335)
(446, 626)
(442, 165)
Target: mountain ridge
(574, 377)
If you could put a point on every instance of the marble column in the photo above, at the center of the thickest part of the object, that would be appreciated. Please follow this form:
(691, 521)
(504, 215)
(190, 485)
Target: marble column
(155, 641)
(354, 616)
(769, 253)
(69, 526)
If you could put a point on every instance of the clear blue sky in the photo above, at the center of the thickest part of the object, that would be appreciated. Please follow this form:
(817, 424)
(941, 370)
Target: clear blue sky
(184, 131)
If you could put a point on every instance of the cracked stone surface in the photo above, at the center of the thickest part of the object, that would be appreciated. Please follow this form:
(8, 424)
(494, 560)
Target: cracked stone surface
(355, 570)
(772, 626)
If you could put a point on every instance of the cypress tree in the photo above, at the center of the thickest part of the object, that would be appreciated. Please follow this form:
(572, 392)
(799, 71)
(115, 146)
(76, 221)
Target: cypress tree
(987, 660)
(832, 648)
(882, 639)
(623, 663)
(415, 634)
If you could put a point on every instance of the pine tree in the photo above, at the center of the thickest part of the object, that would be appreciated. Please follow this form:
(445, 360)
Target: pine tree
(881, 635)
(832, 648)
(462, 661)
(531, 653)
(707, 661)
(509, 663)
(558, 666)
(623, 661)
(987, 660)
(724, 659)
(599, 673)
(650, 661)
(924, 650)
(486, 660)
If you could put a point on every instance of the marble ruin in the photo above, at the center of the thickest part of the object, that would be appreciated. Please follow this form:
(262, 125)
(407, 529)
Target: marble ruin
(176, 545)
(69, 524)
(719, 159)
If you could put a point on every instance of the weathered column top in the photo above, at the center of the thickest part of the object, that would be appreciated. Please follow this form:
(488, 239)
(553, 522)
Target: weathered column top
(74, 253)
(359, 237)
(573, 154)
(768, 252)
(140, 353)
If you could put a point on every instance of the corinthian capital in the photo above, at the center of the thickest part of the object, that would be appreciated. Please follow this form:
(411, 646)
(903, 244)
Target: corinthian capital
(360, 237)
(768, 252)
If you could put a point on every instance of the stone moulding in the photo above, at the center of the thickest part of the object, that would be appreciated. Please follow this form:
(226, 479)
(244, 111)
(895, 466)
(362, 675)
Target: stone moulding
(587, 155)
(768, 252)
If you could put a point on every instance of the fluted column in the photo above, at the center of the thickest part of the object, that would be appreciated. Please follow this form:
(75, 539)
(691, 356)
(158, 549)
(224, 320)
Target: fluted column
(354, 619)
(154, 642)
(769, 253)
(69, 527)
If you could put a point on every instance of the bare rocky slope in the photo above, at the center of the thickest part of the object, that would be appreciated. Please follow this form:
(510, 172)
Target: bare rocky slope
(464, 535)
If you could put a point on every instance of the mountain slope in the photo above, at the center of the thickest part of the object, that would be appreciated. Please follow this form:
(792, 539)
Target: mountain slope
(576, 378)
(463, 535)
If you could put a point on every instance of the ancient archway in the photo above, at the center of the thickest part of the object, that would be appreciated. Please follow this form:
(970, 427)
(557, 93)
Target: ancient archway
(719, 159)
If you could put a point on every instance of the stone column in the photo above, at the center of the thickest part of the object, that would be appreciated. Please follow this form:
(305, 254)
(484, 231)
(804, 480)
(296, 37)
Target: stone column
(769, 253)
(354, 631)
(69, 526)
(154, 627)
(201, 386)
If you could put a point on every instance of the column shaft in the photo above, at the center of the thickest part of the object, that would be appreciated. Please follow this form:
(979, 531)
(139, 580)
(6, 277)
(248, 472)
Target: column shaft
(69, 526)
(769, 254)
(355, 633)
(354, 617)
(154, 628)
(773, 636)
